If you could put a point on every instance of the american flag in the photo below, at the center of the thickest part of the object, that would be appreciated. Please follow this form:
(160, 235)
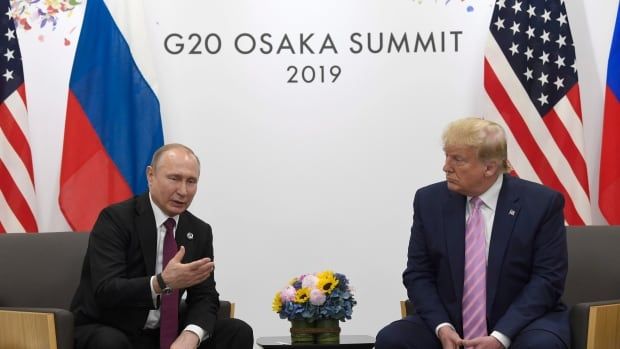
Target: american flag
(17, 194)
(530, 77)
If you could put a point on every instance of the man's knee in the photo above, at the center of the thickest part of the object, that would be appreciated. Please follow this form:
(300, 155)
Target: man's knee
(538, 339)
(393, 336)
(243, 331)
(408, 333)
(230, 333)
(386, 338)
(101, 337)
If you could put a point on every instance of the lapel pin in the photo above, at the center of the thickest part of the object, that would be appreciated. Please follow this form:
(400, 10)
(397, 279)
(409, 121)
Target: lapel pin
(190, 236)
(511, 212)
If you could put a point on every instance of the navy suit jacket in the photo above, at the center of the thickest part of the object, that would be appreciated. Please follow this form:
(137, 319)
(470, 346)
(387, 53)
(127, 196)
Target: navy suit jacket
(120, 260)
(527, 262)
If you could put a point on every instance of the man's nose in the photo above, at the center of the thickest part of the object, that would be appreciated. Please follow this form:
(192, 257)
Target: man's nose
(446, 167)
(182, 189)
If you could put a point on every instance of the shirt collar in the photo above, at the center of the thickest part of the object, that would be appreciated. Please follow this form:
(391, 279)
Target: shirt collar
(160, 216)
(491, 196)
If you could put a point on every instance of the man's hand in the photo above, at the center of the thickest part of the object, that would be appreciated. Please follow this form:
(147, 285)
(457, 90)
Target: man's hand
(178, 275)
(487, 342)
(186, 340)
(449, 338)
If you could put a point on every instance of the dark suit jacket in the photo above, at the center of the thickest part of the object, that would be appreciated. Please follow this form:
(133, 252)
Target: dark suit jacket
(120, 260)
(527, 261)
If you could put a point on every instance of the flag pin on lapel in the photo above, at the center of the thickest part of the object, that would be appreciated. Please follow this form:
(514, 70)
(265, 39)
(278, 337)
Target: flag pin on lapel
(190, 236)
(511, 212)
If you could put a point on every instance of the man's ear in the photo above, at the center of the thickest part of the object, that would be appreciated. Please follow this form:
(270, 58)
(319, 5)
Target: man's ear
(490, 168)
(149, 174)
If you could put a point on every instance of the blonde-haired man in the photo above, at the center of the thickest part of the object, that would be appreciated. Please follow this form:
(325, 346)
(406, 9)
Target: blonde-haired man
(487, 256)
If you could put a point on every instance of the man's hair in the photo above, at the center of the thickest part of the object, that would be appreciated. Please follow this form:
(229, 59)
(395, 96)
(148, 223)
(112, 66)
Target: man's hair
(486, 136)
(158, 153)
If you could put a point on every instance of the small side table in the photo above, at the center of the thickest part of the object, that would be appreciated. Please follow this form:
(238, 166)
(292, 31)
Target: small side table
(346, 341)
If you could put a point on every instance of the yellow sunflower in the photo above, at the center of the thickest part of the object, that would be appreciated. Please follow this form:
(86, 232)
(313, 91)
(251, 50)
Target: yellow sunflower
(327, 281)
(277, 303)
(302, 295)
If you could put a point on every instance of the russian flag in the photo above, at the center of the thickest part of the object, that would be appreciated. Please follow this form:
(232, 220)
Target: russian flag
(609, 181)
(113, 122)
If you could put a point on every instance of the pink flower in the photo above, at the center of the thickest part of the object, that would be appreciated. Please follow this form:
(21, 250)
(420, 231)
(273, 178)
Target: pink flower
(288, 294)
(317, 297)
(309, 281)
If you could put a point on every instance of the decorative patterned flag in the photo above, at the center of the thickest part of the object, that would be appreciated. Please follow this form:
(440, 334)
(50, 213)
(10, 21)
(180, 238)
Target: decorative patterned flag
(530, 76)
(113, 121)
(609, 182)
(17, 194)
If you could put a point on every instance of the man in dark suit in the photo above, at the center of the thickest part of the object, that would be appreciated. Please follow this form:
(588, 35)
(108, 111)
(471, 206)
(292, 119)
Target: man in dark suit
(143, 254)
(487, 256)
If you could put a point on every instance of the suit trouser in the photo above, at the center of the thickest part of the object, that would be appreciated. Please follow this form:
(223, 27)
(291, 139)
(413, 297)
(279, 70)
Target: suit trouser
(413, 333)
(228, 334)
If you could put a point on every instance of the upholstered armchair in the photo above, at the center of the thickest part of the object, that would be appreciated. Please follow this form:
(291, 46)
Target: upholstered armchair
(39, 274)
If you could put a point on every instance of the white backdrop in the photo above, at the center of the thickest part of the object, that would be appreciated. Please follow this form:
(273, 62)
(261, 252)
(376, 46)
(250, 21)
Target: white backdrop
(303, 177)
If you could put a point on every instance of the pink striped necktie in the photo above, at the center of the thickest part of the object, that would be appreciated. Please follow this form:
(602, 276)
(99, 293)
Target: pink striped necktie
(169, 312)
(474, 287)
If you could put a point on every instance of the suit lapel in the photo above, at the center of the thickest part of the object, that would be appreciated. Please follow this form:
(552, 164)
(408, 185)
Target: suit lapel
(147, 232)
(184, 237)
(506, 213)
(454, 230)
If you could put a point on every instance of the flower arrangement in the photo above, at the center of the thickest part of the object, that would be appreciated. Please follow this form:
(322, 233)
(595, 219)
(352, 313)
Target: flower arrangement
(44, 16)
(40, 13)
(324, 295)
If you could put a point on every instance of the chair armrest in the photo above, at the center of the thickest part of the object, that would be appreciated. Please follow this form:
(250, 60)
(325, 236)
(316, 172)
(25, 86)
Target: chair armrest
(406, 308)
(589, 322)
(227, 310)
(63, 322)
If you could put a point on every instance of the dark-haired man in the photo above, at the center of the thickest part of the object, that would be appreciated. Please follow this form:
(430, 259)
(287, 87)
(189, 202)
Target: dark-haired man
(143, 254)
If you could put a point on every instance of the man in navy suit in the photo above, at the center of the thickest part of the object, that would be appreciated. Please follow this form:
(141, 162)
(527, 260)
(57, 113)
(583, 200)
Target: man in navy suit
(522, 227)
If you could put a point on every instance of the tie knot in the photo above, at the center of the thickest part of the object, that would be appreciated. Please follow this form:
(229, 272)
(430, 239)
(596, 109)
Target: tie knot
(169, 224)
(476, 202)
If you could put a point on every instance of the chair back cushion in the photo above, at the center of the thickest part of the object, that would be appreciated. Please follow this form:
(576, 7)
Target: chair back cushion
(40, 270)
(593, 264)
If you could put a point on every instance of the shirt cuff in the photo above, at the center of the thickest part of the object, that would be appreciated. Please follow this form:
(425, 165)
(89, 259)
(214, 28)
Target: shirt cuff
(153, 294)
(501, 338)
(443, 324)
(202, 334)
